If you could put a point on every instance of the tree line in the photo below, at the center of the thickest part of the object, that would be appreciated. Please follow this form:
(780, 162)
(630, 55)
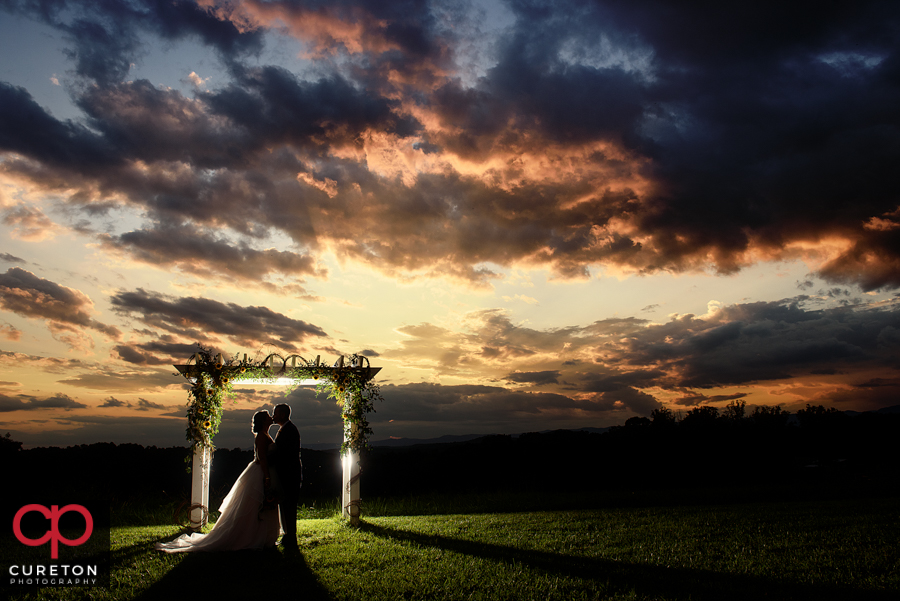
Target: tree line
(706, 446)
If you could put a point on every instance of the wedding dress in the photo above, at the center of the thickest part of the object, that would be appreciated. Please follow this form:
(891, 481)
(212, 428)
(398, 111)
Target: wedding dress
(242, 523)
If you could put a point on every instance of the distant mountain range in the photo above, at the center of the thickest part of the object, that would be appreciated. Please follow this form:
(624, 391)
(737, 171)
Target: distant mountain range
(450, 438)
(446, 439)
(891, 409)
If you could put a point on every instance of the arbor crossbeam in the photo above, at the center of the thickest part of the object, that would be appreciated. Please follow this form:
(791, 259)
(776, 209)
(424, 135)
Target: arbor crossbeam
(212, 378)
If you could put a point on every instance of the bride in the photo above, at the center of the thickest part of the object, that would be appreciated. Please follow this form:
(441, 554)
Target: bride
(247, 520)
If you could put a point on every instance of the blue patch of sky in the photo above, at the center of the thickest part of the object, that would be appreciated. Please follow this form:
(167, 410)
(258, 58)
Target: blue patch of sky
(479, 32)
(33, 58)
(171, 63)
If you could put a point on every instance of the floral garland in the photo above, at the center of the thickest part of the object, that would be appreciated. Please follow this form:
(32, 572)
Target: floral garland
(213, 381)
(205, 398)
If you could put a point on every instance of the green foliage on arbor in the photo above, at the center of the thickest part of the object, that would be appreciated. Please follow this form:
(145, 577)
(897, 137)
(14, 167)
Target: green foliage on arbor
(213, 380)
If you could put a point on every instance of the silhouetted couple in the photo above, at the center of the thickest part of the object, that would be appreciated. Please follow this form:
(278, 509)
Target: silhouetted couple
(267, 489)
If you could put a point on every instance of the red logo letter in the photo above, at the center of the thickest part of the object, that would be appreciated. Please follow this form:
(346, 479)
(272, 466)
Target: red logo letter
(53, 534)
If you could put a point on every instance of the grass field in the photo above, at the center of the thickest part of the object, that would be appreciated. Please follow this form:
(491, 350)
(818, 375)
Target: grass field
(838, 549)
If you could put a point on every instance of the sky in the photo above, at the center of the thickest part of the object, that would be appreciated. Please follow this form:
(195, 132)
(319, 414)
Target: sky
(531, 215)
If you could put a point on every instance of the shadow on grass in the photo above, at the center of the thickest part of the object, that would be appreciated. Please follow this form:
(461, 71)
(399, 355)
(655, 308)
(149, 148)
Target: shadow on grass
(645, 580)
(250, 574)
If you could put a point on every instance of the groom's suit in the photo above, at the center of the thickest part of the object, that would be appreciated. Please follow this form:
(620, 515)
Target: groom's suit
(290, 471)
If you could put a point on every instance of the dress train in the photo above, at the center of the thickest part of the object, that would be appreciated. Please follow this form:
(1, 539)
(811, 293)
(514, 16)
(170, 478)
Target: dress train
(242, 523)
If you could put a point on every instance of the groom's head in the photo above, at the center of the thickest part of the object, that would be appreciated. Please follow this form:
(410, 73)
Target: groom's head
(281, 414)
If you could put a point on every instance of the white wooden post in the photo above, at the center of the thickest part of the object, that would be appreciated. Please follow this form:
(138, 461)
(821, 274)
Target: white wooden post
(200, 486)
(350, 486)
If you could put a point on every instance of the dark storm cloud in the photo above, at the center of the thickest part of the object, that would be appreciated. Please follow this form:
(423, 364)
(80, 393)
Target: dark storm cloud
(189, 316)
(26, 294)
(24, 403)
(27, 129)
(693, 399)
(167, 126)
(640, 135)
(263, 107)
(534, 377)
(197, 252)
(130, 354)
(765, 124)
(162, 351)
(604, 383)
(741, 344)
(560, 103)
(277, 106)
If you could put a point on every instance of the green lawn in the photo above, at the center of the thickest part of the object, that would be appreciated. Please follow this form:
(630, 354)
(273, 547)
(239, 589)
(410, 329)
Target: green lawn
(844, 549)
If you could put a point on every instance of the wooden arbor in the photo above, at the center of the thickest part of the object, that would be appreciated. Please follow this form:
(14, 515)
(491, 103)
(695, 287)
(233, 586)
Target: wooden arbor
(348, 381)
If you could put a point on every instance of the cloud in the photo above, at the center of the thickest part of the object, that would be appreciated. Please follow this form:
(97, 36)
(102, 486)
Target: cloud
(30, 131)
(627, 397)
(112, 380)
(29, 223)
(66, 309)
(693, 399)
(106, 39)
(163, 351)
(145, 405)
(589, 135)
(141, 405)
(535, 377)
(194, 251)
(635, 365)
(131, 354)
(489, 342)
(24, 403)
(114, 402)
(53, 365)
(742, 344)
(200, 317)
(10, 332)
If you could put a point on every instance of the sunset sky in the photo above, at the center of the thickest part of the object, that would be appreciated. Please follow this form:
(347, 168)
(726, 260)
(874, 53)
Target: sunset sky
(532, 215)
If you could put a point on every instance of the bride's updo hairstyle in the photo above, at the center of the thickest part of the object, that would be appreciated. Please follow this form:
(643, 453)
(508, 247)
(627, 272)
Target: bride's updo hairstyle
(258, 420)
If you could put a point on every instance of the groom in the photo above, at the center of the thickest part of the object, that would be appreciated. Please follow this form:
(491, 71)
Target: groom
(290, 471)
